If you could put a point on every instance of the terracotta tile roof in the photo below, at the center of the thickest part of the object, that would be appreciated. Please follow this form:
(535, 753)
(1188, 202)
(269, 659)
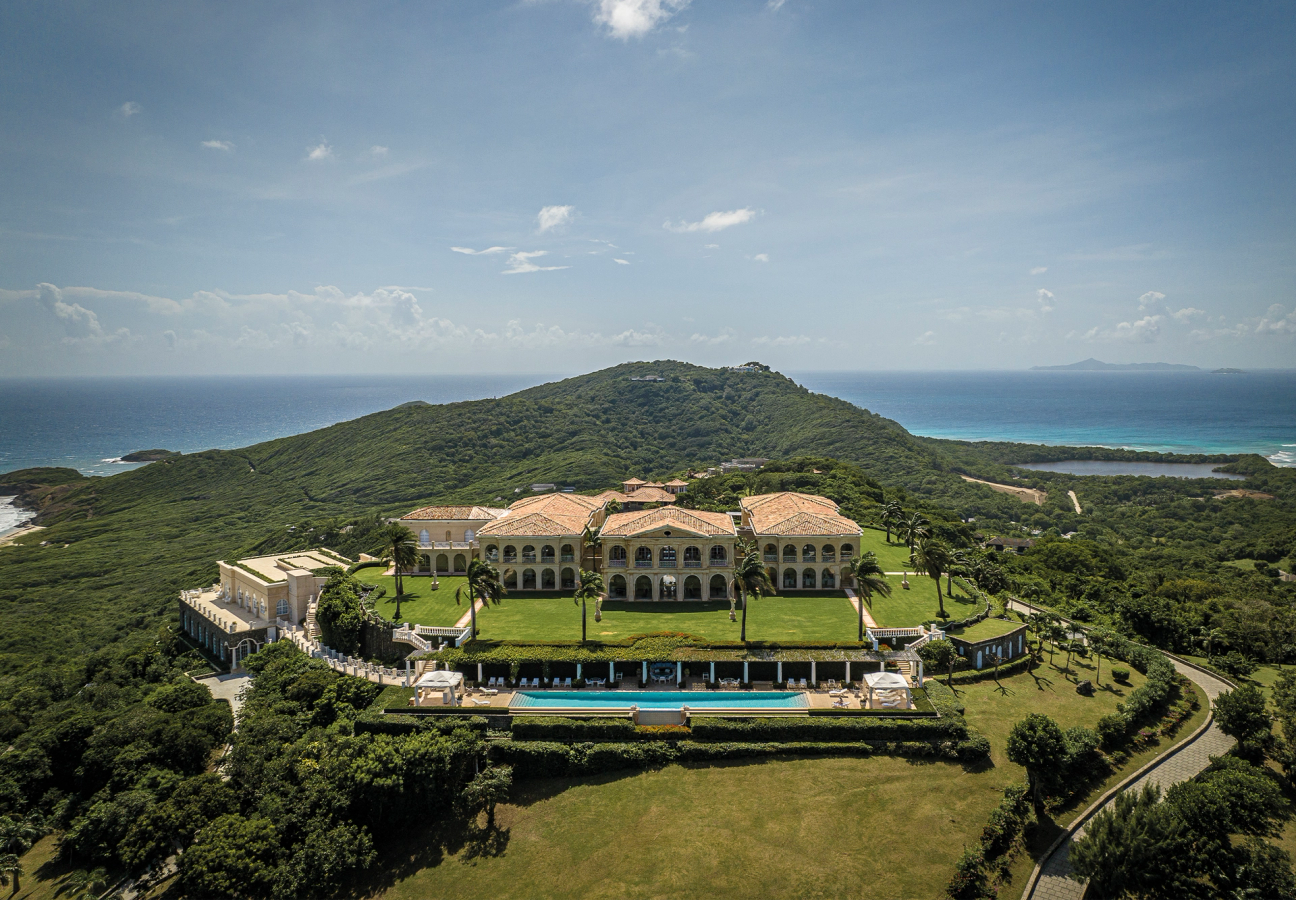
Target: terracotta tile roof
(454, 513)
(702, 524)
(633, 481)
(642, 495)
(676, 482)
(801, 514)
(545, 516)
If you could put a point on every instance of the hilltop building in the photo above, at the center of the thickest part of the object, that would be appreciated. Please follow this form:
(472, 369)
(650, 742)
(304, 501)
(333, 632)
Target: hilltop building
(806, 543)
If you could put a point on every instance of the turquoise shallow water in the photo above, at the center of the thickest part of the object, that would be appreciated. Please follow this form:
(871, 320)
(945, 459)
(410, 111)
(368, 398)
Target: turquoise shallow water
(658, 699)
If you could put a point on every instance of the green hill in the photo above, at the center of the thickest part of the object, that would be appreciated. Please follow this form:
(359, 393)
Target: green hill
(118, 548)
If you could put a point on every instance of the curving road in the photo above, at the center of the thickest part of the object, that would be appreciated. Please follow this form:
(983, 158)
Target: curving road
(1051, 879)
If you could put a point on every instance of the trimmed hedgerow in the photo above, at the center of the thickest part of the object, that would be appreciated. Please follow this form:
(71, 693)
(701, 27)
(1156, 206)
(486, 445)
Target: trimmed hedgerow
(790, 729)
(1020, 664)
(550, 759)
(409, 724)
(552, 728)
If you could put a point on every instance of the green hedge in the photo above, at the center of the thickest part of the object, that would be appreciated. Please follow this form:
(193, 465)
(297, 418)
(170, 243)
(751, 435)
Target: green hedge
(552, 728)
(789, 729)
(367, 564)
(1020, 664)
(407, 724)
(545, 759)
(943, 699)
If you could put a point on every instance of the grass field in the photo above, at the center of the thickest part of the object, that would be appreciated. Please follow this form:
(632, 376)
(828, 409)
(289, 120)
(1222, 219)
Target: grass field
(894, 557)
(877, 828)
(905, 609)
(769, 619)
(986, 628)
(420, 604)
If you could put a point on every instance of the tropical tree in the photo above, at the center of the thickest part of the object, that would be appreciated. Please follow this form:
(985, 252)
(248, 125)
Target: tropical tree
(482, 582)
(961, 565)
(1209, 638)
(400, 548)
(1102, 640)
(913, 529)
(589, 588)
(892, 516)
(491, 786)
(16, 838)
(10, 869)
(592, 541)
(1136, 848)
(942, 654)
(1038, 744)
(933, 558)
(869, 579)
(750, 577)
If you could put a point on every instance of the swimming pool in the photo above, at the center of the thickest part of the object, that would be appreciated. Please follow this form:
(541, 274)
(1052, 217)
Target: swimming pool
(694, 700)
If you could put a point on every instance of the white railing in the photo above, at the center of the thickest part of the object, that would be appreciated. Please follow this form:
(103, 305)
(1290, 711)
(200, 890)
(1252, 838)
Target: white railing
(405, 636)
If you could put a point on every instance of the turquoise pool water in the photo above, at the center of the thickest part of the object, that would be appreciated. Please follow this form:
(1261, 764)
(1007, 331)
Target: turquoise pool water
(659, 699)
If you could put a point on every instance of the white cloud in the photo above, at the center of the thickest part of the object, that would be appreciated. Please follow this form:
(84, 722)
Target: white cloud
(1274, 322)
(761, 257)
(218, 145)
(623, 262)
(724, 337)
(1045, 299)
(553, 217)
(1151, 301)
(775, 5)
(1143, 331)
(472, 252)
(322, 150)
(1188, 313)
(634, 18)
(927, 338)
(710, 246)
(129, 108)
(80, 325)
(1039, 270)
(716, 221)
(520, 263)
(632, 338)
(790, 340)
(377, 151)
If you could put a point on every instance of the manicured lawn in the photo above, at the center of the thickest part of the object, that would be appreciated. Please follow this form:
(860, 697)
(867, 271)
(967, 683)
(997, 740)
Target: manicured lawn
(769, 619)
(904, 609)
(877, 828)
(420, 605)
(986, 628)
(894, 557)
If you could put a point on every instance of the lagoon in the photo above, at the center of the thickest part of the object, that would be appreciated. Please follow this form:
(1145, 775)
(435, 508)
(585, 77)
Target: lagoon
(1148, 469)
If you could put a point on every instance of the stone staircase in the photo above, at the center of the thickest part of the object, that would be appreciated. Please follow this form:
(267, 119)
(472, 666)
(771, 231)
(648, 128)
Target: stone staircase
(312, 627)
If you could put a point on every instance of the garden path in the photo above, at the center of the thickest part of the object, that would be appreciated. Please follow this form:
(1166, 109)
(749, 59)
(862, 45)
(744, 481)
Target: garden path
(1052, 878)
(855, 602)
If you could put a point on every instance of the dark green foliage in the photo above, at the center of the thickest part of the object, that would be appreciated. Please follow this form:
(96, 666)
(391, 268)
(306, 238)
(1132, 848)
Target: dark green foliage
(490, 787)
(1241, 714)
(982, 868)
(1038, 744)
(340, 614)
(788, 729)
(1135, 849)
(1235, 665)
(554, 728)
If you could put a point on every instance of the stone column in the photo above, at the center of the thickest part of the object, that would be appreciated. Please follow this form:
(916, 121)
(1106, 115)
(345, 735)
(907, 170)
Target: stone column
(745, 679)
(713, 673)
(679, 673)
(578, 671)
(814, 682)
(479, 672)
(848, 671)
(645, 672)
(780, 671)
(611, 671)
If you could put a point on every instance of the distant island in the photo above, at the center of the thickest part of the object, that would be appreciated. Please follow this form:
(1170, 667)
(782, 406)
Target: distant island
(148, 455)
(1097, 365)
(1227, 372)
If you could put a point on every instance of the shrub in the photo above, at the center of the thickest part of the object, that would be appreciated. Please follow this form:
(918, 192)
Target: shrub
(973, 749)
(776, 728)
(1121, 674)
(546, 728)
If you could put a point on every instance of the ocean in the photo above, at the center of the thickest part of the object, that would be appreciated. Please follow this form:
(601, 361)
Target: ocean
(88, 424)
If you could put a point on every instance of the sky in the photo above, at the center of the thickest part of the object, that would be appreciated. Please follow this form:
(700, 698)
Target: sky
(556, 186)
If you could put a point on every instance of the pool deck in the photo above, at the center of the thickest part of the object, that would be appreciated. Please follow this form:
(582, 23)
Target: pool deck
(815, 699)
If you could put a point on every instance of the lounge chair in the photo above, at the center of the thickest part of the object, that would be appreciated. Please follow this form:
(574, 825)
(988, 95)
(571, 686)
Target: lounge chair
(535, 683)
(566, 683)
(841, 703)
(477, 702)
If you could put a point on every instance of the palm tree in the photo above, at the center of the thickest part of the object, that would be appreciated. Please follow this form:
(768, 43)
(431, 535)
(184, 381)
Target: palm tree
(750, 577)
(590, 588)
(913, 529)
(591, 541)
(962, 566)
(16, 838)
(400, 548)
(1209, 638)
(10, 867)
(869, 579)
(933, 558)
(892, 515)
(482, 582)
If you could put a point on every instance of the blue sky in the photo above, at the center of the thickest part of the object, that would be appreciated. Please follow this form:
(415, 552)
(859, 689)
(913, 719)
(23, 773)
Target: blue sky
(294, 187)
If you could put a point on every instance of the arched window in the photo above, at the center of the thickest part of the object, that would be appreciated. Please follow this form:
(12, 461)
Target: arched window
(719, 556)
(528, 554)
(568, 553)
(719, 587)
(425, 537)
(773, 575)
(692, 558)
(829, 553)
(568, 578)
(547, 554)
(829, 580)
(528, 580)
(442, 563)
(643, 558)
(510, 580)
(846, 551)
(789, 554)
(617, 556)
(808, 578)
(643, 588)
(667, 588)
(492, 553)
(666, 557)
(771, 553)
(460, 563)
(808, 553)
(789, 578)
(469, 534)
(449, 538)
(692, 588)
(510, 553)
(281, 609)
(617, 587)
(547, 581)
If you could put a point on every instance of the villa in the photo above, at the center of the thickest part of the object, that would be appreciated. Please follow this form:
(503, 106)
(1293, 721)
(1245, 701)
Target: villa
(805, 541)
